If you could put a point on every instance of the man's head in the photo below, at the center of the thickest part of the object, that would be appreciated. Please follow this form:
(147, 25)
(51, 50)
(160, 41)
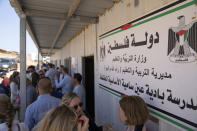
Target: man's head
(50, 65)
(65, 70)
(53, 66)
(77, 78)
(43, 65)
(61, 68)
(31, 69)
(41, 73)
(3, 74)
(44, 86)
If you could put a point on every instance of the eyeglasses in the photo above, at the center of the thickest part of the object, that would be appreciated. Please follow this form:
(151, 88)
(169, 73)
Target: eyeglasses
(79, 105)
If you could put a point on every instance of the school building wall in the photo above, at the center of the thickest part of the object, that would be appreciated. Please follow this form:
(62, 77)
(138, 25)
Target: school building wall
(85, 44)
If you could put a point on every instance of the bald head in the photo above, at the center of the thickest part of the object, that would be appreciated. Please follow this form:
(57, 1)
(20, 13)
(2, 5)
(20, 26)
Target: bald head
(44, 85)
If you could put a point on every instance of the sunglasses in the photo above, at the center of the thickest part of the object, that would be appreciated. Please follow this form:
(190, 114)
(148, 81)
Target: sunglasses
(79, 105)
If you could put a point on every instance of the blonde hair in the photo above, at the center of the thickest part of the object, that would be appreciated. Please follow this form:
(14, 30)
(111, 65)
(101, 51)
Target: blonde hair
(7, 111)
(62, 118)
(135, 110)
(68, 97)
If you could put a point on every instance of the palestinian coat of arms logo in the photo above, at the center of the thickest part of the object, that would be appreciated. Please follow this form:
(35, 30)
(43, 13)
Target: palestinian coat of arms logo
(182, 42)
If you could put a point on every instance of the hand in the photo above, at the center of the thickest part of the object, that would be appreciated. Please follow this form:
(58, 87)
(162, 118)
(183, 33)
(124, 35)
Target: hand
(85, 125)
(107, 127)
(16, 106)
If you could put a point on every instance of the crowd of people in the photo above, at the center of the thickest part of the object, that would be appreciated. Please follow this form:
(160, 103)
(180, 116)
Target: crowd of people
(56, 102)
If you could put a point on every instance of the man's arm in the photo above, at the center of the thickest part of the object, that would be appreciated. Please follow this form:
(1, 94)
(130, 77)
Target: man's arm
(59, 84)
(29, 118)
(47, 74)
(68, 84)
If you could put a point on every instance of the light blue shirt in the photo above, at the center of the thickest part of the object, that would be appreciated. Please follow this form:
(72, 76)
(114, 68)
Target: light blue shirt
(36, 111)
(51, 74)
(65, 83)
(80, 91)
(61, 77)
(31, 94)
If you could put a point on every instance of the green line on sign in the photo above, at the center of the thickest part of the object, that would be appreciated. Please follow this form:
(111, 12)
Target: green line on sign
(155, 113)
(153, 18)
(110, 92)
(185, 35)
(172, 121)
(119, 30)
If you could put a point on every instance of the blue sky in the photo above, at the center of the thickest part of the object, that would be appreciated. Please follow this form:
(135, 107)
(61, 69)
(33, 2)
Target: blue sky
(10, 30)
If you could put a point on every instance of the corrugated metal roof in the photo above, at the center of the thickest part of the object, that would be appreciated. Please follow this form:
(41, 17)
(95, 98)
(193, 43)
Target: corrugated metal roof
(45, 19)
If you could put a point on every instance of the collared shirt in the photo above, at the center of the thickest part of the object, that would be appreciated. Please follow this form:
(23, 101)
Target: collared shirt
(80, 91)
(31, 94)
(66, 84)
(36, 111)
(51, 74)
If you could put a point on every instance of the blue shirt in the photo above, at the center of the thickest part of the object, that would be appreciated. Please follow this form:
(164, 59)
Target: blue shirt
(66, 84)
(31, 94)
(51, 74)
(80, 91)
(36, 111)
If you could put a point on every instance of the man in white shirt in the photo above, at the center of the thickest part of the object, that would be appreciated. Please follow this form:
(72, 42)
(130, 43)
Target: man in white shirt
(78, 88)
(65, 83)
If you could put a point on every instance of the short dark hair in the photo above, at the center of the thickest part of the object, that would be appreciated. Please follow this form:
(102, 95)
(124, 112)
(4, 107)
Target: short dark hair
(50, 65)
(31, 67)
(61, 66)
(78, 77)
(35, 79)
(65, 70)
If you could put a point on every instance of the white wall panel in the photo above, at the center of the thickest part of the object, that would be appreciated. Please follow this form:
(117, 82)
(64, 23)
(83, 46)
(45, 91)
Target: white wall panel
(77, 46)
(90, 40)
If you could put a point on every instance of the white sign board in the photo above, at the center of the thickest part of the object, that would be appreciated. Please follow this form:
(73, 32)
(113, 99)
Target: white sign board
(155, 57)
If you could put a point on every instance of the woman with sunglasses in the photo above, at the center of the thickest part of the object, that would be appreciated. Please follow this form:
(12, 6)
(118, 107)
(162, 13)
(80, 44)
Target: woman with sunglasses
(7, 113)
(72, 100)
